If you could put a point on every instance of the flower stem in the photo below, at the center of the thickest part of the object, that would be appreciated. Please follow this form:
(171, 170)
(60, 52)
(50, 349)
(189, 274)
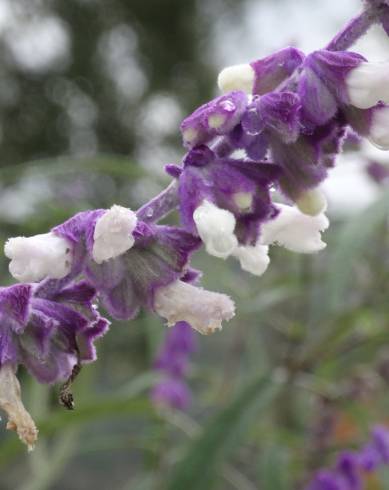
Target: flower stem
(160, 206)
(353, 30)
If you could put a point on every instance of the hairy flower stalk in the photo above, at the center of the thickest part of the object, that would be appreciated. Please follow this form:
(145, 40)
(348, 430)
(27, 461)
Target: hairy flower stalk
(278, 125)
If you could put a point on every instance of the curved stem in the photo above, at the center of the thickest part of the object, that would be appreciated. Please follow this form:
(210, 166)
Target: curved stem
(353, 30)
(160, 206)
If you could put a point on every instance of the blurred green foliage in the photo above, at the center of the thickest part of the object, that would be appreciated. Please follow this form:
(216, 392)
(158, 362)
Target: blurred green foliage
(302, 370)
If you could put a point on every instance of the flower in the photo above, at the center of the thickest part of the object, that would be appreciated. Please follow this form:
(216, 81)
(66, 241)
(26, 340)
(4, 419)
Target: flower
(232, 191)
(171, 392)
(294, 230)
(10, 401)
(113, 234)
(351, 466)
(49, 328)
(263, 75)
(368, 84)
(216, 227)
(172, 362)
(217, 117)
(253, 259)
(37, 257)
(203, 310)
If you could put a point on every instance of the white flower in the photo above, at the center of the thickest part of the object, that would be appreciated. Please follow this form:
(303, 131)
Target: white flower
(203, 310)
(10, 401)
(379, 129)
(215, 227)
(113, 233)
(312, 202)
(253, 259)
(294, 230)
(36, 257)
(368, 84)
(237, 77)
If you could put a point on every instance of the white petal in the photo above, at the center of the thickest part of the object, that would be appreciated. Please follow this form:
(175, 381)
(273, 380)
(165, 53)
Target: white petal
(203, 310)
(379, 129)
(312, 202)
(113, 233)
(215, 227)
(294, 230)
(253, 259)
(367, 84)
(237, 77)
(36, 257)
(10, 401)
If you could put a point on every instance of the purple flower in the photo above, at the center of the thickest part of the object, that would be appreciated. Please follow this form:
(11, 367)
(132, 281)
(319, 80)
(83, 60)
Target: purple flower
(238, 186)
(172, 362)
(49, 327)
(347, 474)
(326, 480)
(217, 117)
(172, 393)
(263, 75)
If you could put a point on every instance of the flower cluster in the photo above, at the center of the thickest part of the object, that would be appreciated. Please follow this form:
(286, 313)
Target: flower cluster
(352, 468)
(250, 178)
(172, 363)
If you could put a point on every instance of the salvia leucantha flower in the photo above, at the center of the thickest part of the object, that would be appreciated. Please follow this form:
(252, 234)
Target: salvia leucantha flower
(48, 328)
(278, 126)
(172, 364)
(352, 466)
(131, 264)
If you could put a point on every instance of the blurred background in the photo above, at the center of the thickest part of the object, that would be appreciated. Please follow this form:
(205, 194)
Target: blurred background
(91, 96)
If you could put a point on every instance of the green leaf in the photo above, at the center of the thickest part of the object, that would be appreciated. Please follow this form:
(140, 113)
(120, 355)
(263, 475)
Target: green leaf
(273, 471)
(109, 407)
(197, 470)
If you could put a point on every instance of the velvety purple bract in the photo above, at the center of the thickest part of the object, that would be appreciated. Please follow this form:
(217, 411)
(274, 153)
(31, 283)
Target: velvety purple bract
(49, 327)
(125, 283)
(218, 180)
(274, 69)
(322, 87)
(217, 117)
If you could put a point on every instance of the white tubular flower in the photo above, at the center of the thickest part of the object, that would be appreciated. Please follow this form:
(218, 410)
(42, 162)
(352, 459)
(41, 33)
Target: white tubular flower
(36, 257)
(10, 401)
(237, 77)
(312, 202)
(113, 233)
(253, 259)
(203, 310)
(215, 227)
(379, 129)
(294, 230)
(368, 84)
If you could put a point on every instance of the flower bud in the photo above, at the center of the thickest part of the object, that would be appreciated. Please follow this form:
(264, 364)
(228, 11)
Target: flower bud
(294, 230)
(368, 84)
(215, 227)
(113, 233)
(203, 310)
(36, 257)
(237, 77)
(312, 202)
